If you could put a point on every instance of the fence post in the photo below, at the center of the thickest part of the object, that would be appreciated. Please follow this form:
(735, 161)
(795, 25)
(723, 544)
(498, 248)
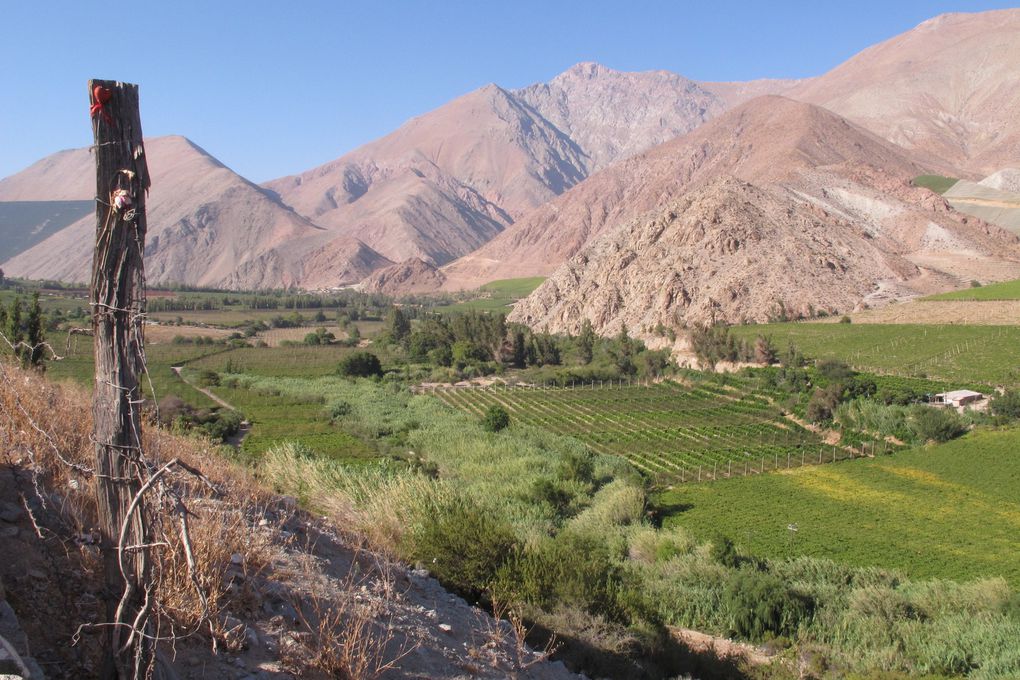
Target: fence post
(117, 298)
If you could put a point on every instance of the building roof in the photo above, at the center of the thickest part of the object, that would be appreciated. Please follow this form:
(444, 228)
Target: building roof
(958, 394)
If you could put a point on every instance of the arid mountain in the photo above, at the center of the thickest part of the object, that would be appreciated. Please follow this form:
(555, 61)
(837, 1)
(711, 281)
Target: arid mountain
(449, 181)
(732, 252)
(612, 114)
(729, 251)
(769, 139)
(408, 277)
(64, 176)
(949, 89)
(444, 183)
(206, 226)
(802, 160)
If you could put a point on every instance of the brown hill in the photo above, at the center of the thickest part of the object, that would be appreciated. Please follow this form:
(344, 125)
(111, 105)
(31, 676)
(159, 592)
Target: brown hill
(729, 251)
(64, 176)
(207, 226)
(732, 252)
(411, 276)
(612, 114)
(948, 89)
(767, 140)
(443, 183)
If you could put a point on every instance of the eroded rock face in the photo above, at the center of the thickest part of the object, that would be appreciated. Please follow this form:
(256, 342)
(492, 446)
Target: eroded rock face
(734, 252)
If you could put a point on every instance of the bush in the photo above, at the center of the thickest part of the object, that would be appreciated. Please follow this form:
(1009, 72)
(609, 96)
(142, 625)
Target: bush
(936, 424)
(823, 403)
(463, 546)
(208, 378)
(360, 365)
(1006, 405)
(759, 604)
(496, 418)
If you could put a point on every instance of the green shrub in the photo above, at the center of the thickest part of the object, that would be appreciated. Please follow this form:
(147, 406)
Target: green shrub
(759, 604)
(360, 365)
(464, 546)
(937, 424)
(1006, 405)
(724, 552)
(208, 378)
(496, 418)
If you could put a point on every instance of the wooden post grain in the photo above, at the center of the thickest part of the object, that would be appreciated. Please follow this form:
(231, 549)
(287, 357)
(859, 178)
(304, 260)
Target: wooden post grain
(118, 304)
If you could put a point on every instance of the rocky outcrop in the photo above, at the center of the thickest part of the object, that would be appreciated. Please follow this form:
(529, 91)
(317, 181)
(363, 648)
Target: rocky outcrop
(408, 277)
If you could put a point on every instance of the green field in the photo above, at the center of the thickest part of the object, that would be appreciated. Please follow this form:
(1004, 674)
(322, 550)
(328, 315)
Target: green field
(670, 432)
(1006, 290)
(496, 296)
(936, 183)
(949, 511)
(964, 355)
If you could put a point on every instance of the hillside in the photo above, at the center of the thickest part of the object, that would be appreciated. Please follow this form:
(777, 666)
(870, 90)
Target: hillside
(443, 183)
(612, 114)
(804, 161)
(26, 223)
(821, 157)
(727, 252)
(947, 89)
(207, 226)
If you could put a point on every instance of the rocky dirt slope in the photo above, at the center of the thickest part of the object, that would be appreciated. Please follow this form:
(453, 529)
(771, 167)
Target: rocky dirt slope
(727, 252)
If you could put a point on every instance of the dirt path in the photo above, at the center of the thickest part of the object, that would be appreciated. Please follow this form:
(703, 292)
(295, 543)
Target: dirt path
(721, 647)
(221, 402)
(235, 439)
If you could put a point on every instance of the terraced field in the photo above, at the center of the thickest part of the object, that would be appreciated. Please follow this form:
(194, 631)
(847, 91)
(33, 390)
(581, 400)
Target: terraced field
(669, 432)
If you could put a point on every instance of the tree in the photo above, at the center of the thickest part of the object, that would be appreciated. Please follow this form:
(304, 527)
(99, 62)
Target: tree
(397, 324)
(764, 351)
(1006, 405)
(625, 352)
(34, 334)
(496, 418)
(360, 365)
(586, 342)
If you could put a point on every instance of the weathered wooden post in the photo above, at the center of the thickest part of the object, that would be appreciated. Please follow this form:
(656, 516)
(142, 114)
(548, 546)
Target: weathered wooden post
(118, 304)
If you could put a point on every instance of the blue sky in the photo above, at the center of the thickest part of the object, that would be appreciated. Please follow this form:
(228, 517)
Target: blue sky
(274, 88)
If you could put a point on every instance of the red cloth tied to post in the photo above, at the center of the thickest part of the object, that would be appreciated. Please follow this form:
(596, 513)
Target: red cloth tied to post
(100, 96)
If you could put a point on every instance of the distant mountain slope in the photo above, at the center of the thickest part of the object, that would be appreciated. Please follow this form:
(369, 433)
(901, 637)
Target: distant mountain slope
(26, 223)
(207, 226)
(948, 89)
(612, 114)
(773, 185)
(767, 140)
(443, 183)
(68, 175)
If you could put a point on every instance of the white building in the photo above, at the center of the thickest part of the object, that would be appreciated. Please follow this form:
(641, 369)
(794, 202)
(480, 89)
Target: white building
(957, 398)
